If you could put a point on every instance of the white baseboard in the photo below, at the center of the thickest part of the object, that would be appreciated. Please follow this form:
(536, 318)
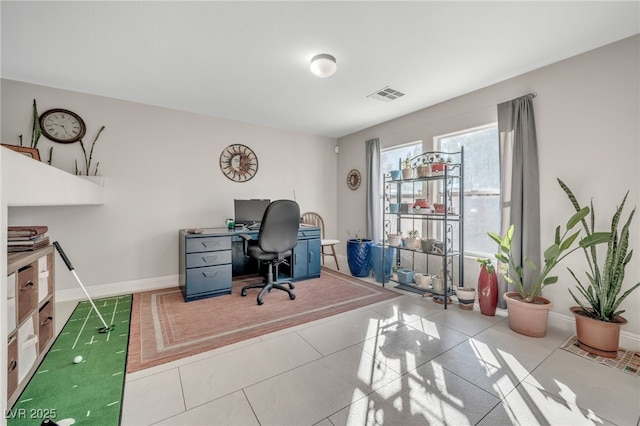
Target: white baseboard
(124, 287)
(629, 341)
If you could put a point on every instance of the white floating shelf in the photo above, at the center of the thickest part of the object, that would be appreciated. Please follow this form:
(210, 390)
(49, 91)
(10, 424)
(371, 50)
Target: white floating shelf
(28, 182)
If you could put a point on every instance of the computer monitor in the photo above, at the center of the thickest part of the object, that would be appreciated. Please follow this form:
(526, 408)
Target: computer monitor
(248, 212)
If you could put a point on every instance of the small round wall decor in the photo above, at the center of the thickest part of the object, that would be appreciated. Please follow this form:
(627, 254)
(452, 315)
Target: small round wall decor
(238, 163)
(353, 179)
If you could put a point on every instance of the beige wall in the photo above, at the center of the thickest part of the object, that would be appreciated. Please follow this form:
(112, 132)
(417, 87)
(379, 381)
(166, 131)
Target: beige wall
(162, 173)
(587, 119)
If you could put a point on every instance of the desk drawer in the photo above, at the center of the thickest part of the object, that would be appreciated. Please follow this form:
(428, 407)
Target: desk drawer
(195, 245)
(307, 234)
(211, 258)
(209, 279)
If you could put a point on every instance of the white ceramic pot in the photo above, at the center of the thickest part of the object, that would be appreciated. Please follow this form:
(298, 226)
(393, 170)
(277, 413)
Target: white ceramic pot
(438, 284)
(394, 239)
(466, 297)
(423, 280)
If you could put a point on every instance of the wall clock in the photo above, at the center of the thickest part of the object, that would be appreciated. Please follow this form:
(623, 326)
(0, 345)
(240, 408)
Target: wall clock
(238, 162)
(62, 126)
(353, 179)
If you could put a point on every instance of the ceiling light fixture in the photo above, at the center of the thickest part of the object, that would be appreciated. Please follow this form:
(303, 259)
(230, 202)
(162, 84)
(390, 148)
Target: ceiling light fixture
(323, 65)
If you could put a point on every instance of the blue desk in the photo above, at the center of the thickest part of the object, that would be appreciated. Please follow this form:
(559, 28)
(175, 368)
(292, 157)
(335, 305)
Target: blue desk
(209, 260)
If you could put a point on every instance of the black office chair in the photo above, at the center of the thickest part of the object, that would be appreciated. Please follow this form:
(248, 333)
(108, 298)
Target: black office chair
(277, 237)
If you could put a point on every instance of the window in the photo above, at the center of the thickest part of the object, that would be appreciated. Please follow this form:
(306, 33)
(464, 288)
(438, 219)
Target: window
(481, 185)
(391, 159)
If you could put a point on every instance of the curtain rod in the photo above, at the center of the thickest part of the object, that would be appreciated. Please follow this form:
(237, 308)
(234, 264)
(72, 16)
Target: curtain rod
(532, 95)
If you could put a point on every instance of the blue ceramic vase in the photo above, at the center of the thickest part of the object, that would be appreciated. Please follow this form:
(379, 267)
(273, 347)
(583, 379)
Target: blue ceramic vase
(359, 257)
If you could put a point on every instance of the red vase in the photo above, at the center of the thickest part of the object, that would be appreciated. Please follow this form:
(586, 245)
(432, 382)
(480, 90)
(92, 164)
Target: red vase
(487, 292)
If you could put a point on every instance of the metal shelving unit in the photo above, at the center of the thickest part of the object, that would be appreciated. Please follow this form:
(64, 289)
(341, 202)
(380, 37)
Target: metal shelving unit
(444, 189)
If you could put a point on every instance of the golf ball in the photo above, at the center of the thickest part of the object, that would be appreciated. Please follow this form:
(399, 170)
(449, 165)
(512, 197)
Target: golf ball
(78, 359)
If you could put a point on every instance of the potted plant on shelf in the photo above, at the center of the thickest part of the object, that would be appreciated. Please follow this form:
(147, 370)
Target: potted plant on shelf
(598, 321)
(413, 236)
(439, 163)
(527, 310)
(407, 171)
(423, 167)
(359, 256)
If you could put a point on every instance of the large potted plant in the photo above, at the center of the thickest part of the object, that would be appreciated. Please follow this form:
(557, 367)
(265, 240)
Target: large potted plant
(527, 310)
(599, 320)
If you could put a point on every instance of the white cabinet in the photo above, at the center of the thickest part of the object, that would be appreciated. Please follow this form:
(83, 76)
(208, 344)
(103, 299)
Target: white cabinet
(30, 323)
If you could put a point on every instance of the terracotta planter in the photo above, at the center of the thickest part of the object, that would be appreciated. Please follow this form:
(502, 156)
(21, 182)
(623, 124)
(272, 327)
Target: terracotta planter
(598, 337)
(529, 319)
(407, 173)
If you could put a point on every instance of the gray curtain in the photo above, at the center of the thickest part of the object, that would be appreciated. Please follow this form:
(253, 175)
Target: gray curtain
(519, 182)
(374, 223)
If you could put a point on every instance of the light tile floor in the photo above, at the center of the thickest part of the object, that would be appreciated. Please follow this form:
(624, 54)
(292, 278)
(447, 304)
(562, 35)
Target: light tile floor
(400, 362)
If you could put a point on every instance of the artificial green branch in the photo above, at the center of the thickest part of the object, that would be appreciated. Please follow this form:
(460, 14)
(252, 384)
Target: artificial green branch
(36, 130)
(89, 158)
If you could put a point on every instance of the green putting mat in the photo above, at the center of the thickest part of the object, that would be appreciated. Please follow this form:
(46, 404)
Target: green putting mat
(89, 392)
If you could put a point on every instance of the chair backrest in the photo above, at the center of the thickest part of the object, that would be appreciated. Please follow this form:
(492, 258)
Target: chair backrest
(314, 219)
(279, 227)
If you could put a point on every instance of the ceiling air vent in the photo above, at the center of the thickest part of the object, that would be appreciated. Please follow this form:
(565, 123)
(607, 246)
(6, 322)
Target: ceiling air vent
(385, 94)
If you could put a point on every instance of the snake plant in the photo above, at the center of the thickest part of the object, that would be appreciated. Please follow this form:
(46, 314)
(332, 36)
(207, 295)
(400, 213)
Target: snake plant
(605, 281)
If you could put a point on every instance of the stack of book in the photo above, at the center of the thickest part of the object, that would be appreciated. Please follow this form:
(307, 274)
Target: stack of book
(27, 238)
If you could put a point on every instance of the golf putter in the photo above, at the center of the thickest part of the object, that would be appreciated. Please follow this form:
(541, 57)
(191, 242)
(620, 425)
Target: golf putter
(106, 328)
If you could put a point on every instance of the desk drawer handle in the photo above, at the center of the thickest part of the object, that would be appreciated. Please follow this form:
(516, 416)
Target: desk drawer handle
(209, 274)
(210, 244)
(209, 259)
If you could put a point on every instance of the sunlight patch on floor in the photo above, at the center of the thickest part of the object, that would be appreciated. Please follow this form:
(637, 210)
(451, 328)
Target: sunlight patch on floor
(528, 404)
(486, 357)
(441, 384)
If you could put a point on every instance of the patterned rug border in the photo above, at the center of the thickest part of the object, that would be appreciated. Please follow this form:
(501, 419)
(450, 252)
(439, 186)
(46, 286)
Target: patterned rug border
(627, 361)
(139, 359)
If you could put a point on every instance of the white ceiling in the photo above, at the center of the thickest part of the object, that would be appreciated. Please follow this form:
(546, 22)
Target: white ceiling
(248, 61)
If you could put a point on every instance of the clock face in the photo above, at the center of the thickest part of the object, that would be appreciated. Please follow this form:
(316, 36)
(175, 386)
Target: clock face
(353, 179)
(238, 163)
(61, 125)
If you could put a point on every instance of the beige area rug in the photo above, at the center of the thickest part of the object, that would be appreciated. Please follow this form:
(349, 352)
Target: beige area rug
(627, 361)
(165, 328)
